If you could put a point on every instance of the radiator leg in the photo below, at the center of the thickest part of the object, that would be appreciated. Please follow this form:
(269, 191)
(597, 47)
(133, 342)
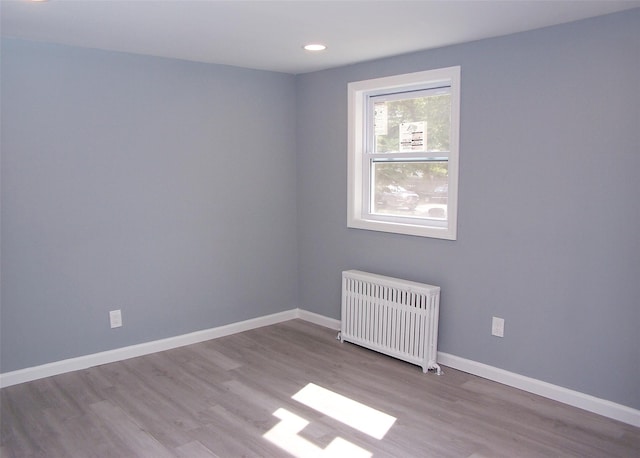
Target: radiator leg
(433, 367)
(339, 336)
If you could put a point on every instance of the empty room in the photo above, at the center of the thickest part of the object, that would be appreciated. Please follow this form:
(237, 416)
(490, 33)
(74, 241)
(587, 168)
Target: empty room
(319, 228)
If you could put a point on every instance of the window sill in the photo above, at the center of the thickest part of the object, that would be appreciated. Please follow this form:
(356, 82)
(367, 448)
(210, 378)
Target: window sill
(418, 230)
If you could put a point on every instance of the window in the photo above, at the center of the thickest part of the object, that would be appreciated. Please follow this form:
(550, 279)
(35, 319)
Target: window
(403, 153)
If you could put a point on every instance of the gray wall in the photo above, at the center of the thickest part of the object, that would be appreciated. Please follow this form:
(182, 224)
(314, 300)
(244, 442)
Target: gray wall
(170, 189)
(549, 210)
(160, 187)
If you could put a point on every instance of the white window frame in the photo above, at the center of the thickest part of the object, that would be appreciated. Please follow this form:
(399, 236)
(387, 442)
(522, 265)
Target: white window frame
(359, 165)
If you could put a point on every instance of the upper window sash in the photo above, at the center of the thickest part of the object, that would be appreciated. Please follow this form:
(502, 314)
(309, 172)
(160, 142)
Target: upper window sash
(373, 98)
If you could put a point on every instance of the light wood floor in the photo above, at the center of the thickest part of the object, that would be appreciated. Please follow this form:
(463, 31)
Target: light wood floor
(218, 398)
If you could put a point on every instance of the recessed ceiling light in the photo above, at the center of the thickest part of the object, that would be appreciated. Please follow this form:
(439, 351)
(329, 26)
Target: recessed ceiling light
(315, 47)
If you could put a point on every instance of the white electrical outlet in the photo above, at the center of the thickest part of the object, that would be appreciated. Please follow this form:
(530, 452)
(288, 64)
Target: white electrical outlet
(497, 327)
(115, 318)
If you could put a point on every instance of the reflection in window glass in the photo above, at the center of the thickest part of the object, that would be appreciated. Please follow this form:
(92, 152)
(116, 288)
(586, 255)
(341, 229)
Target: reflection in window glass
(418, 189)
(412, 124)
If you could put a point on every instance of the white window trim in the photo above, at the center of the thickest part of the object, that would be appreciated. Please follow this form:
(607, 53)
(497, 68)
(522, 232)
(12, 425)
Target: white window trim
(356, 206)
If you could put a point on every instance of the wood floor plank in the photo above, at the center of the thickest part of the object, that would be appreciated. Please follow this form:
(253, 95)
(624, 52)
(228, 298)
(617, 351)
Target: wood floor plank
(194, 449)
(84, 436)
(221, 398)
(136, 439)
(23, 423)
(170, 428)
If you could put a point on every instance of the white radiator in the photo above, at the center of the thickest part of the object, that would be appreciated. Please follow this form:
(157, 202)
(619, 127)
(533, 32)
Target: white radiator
(392, 316)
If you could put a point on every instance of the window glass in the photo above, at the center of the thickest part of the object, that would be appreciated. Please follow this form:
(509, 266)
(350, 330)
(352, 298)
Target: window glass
(410, 189)
(412, 124)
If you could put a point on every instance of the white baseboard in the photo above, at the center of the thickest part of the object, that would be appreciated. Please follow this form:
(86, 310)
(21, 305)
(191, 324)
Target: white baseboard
(566, 396)
(321, 320)
(119, 354)
(574, 398)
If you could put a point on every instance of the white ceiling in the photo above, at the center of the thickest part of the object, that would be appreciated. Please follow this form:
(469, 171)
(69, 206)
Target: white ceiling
(269, 35)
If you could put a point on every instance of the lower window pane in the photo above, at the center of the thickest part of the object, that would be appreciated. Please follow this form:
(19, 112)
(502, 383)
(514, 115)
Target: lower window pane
(410, 189)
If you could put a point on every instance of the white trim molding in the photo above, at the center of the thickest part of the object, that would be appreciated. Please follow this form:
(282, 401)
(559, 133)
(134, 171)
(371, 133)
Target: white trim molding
(557, 393)
(361, 153)
(119, 354)
(574, 398)
(321, 320)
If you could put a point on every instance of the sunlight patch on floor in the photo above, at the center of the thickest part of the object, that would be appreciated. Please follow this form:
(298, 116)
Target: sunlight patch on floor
(359, 416)
(285, 435)
(345, 410)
